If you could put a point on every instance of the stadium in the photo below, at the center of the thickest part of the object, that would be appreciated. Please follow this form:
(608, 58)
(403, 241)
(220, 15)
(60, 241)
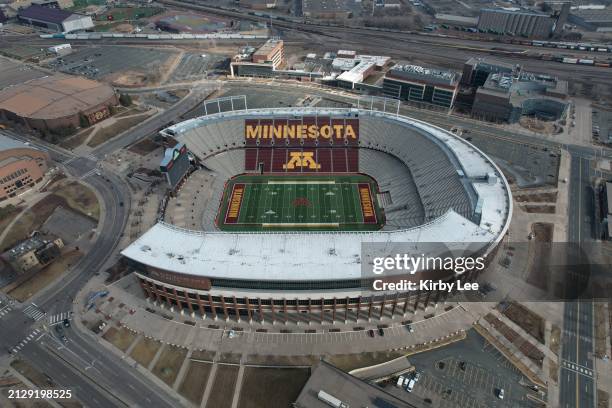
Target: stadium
(299, 196)
(57, 101)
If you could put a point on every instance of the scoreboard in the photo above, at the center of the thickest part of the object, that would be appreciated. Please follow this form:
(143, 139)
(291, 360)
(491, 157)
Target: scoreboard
(175, 164)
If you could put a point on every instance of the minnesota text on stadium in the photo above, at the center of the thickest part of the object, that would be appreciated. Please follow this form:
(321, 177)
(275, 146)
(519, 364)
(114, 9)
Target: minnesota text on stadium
(446, 190)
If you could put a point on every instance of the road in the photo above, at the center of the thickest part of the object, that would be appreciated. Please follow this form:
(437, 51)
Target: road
(110, 382)
(576, 377)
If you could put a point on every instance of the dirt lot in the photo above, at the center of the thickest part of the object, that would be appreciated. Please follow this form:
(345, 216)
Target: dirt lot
(8, 214)
(601, 319)
(120, 126)
(555, 339)
(144, 147)
(119, 337)
(145, 350)
(603, 399)
(259, 383)
(537, 197)
(540, 209)
(202, 355)
(229, 358)
(527, 320)
(194, 381)
(282, 360)
(44, 277)
(223, 387)
(169, 364)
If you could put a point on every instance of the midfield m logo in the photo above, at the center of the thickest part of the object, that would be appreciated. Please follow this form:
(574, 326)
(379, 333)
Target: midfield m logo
(301, 159)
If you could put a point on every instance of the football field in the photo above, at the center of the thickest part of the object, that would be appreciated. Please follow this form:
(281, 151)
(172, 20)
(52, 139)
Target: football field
(298, 203)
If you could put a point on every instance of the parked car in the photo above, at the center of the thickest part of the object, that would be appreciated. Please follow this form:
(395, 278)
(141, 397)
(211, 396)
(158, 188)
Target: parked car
(381, 331)
(371, 333)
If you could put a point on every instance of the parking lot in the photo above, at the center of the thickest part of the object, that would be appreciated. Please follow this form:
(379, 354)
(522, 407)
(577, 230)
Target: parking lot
(198, 66)
(97, 62)
(470, 374)
(529, 166)
(14, 73)
(602, 126)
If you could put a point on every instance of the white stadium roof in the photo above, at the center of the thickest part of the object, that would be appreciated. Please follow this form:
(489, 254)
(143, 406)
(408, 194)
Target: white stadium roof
(302, 256)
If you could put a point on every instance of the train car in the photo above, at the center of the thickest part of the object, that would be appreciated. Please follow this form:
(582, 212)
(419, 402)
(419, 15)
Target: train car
(583, 61)
(569, 60)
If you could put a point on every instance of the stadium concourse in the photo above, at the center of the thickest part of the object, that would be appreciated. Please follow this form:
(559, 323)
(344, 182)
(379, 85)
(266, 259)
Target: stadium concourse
(429, 186)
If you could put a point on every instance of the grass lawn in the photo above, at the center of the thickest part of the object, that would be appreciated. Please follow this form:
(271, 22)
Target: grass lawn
(44, 277)
(194, 382)
(305, 203)
(31, 220)
(79, 197)
(8, 214)
(80, 4)
(129, 13)
(223, 387)
(76, 140)
(119, 337)
(145, 350)
(529, 321)
(120, 126)
(259, 383)
(169, 364)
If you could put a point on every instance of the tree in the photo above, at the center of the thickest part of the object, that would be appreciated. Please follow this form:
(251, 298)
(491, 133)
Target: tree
(125, 100)
(83, 121)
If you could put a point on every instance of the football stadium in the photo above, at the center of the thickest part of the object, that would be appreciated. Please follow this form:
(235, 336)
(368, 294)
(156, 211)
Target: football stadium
(300, 199)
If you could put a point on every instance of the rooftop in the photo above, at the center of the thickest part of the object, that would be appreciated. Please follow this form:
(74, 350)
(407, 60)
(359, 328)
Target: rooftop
(347, 388)
(514, 11)
(36, 242)
(296, 255)
(328, 6)
(54, 96)
(268, 46)
(417, 72)
(38, 12)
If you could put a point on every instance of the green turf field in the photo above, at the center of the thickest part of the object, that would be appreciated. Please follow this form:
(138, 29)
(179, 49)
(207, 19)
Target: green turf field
(300, 203)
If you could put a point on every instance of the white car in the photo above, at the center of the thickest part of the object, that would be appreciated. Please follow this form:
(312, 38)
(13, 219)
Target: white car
(410, 386)
(500, 394)
(400, 381)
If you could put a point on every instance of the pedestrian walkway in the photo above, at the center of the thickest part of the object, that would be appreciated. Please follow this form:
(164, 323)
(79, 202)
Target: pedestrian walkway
(34, 312)
(34, 335)
(59, 318)
(5, 310)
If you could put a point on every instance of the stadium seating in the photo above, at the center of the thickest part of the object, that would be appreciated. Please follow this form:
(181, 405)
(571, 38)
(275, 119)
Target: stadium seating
(417, 170)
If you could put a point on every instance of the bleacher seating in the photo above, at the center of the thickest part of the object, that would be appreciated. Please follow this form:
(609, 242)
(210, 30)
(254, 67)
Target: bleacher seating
(417, 172)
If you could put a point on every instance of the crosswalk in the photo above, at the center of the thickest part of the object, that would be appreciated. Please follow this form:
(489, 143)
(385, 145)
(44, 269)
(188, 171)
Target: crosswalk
(90, 173)
(34, 312)
(569, 365)
(5, 310)
(33, 336)
(59, 318)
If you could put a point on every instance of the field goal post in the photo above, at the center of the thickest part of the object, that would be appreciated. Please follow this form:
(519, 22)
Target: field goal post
(379, 104)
